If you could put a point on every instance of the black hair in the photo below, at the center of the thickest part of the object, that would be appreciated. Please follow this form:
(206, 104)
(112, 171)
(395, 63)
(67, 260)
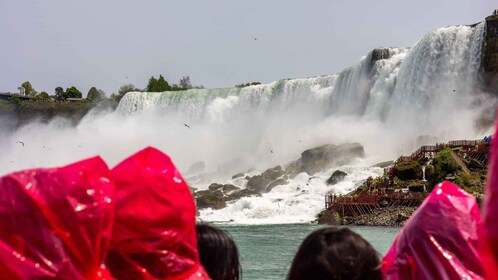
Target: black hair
(335, 254)
(218, 253)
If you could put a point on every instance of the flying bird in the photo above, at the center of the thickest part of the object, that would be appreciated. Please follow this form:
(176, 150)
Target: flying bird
(186, 125)
(21, 142)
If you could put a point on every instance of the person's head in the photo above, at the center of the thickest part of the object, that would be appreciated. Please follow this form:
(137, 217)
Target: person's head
(218, 253)
(335, 253)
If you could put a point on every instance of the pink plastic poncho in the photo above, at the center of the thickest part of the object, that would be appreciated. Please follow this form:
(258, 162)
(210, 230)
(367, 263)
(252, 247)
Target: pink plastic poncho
(56, 223)
(154, 233)
(489, 230)
(439, 241)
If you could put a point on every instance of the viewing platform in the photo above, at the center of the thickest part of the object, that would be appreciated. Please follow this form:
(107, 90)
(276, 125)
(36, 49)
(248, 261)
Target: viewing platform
(382, 192)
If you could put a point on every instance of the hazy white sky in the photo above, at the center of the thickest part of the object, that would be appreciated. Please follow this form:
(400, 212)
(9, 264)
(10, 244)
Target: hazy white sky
(218, 43)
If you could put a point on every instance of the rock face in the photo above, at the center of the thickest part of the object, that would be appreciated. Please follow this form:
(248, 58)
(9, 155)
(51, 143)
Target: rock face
(329, 217)
(381, 53)
(217, 195)
(383, 164)
(242, 193)
(275, 183)
(336, 177)
(210, 200)
(491, 50)
(260, 183)
(392, 216)
(321, 158)
(490, 59)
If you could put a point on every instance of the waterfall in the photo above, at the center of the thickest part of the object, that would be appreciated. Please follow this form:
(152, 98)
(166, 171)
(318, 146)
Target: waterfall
(392, 96)
(390, 101)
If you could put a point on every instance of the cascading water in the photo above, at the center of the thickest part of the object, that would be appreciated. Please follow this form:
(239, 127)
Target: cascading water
(385, 102)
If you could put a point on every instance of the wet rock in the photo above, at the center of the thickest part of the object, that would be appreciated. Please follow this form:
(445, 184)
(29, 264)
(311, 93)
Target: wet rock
(275, 183)
(322, 157)
(238, 175)
(293, 169)
(381, 53)
(336, 177)
(261, 182)
(228, 188)
(329, 217)
(210, 200)
(203, 192)
(257, 183)
(215, 186)
(242, 193)
(273, 173)
(383, 164)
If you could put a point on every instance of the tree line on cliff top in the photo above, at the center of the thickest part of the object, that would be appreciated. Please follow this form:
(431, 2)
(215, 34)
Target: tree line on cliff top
(95, 95)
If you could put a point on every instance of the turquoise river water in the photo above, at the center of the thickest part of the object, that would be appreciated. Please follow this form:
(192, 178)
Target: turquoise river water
(266, 251)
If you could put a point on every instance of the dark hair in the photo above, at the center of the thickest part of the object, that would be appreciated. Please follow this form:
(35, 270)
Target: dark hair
(218, 253)
(335, 253)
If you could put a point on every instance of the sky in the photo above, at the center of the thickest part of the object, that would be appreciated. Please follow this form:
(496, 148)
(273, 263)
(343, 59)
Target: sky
(220, 43)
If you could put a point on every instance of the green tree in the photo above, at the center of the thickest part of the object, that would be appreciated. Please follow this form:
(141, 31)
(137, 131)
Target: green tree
(151, 85)
(16, 100)
(124, 90)
(247, 84)
(162, 84)
(95, 95)
(43, 96)
(185, 82)
(60, 94)
(157, 85)
(73, 92)
(28, 89)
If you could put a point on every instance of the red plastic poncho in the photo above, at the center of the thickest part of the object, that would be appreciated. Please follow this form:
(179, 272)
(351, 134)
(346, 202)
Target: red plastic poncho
(56, 223)
(154, 233)
(439, 241)
(489, 230)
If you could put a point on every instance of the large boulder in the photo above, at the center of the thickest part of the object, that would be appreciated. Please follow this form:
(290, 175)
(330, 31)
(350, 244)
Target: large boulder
(275, 183)
(323, 157)
(383, 164)
(257, 183)
(215, 186)
(261, 182)
(229, 188)
(329, 217)
(238, 175)
(210, 200)
(273, 173)
(242, 193)
(336, 177)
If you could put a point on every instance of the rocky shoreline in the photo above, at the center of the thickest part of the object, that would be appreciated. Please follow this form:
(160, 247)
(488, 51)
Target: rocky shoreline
(387, 217)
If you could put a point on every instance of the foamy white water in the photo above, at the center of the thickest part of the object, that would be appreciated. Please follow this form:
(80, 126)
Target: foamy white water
(390, 103)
